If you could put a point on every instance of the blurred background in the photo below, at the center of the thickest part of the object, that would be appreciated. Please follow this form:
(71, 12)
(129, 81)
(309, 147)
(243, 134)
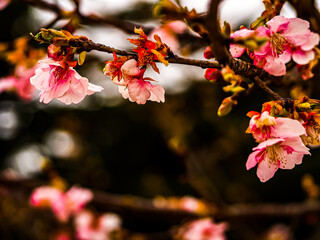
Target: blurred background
(177, 148)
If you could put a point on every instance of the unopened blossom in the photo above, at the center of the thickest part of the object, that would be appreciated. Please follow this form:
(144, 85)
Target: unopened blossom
(61, 82)
(205, 229)
(62, 204)
(89, 227)
(136, 88)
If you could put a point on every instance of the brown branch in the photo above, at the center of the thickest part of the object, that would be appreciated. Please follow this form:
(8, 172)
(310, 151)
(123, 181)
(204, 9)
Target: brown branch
(265, 88)
(144, 208)
(218, 46)
(89, 45)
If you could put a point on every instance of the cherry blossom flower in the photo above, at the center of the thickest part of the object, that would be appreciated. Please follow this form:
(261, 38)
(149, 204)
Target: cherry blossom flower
(287, 38)
(19, 83)
(4, 3)
(205, 229)
(136, 88)
(61, 82)
(276, 153)
(88, 227)
(62, 204)
(263, 126)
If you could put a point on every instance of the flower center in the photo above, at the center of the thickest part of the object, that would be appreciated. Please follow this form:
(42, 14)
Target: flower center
(278, 43)
(59, 74)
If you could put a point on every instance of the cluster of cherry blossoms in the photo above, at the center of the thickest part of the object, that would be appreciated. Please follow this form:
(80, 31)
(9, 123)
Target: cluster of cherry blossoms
(282, 140)
(128, 73)
(69, 204)
(286, 39)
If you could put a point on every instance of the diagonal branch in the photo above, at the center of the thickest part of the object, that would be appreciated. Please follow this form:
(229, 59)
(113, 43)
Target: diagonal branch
(223, 56)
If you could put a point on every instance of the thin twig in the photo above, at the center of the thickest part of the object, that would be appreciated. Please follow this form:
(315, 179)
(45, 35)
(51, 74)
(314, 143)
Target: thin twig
(89, 45)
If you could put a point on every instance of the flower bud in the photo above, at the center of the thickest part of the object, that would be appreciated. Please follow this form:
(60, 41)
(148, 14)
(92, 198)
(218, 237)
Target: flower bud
(226, 106)
(213, 75)
(208, 53)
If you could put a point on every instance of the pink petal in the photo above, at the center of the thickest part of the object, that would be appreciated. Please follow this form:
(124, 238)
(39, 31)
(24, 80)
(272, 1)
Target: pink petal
(312, 41)
(285, 57)
(291, 161)
(252, 162)
(265, 48)
(57, 90)
(92, 88)
(77, 90)
(286, 127)
(267, 143)
(130, 68)
(125, 93)
(177, 26)
(279, 24)
(302, 57)
(242, 33)
(266, 169)
(297, 145)
(138, 91)
(274, 66)
(298, 31)
(236, 50)
(168, 37)
(157, 93)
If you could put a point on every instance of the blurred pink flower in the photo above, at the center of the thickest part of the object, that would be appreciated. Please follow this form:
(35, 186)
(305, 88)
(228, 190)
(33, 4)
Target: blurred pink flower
(62, 204)
(88, 227)
(4, 3)
(136, 88)
(168, 34)
(62, 83)
(205, 229)
(19, 83)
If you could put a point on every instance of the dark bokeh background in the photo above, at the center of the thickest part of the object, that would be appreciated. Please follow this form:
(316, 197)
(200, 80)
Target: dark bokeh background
(177, 148)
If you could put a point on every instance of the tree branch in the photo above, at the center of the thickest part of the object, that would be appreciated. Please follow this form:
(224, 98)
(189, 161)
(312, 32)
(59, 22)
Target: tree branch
(141, 207)
(223, 56)
(89, 45)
